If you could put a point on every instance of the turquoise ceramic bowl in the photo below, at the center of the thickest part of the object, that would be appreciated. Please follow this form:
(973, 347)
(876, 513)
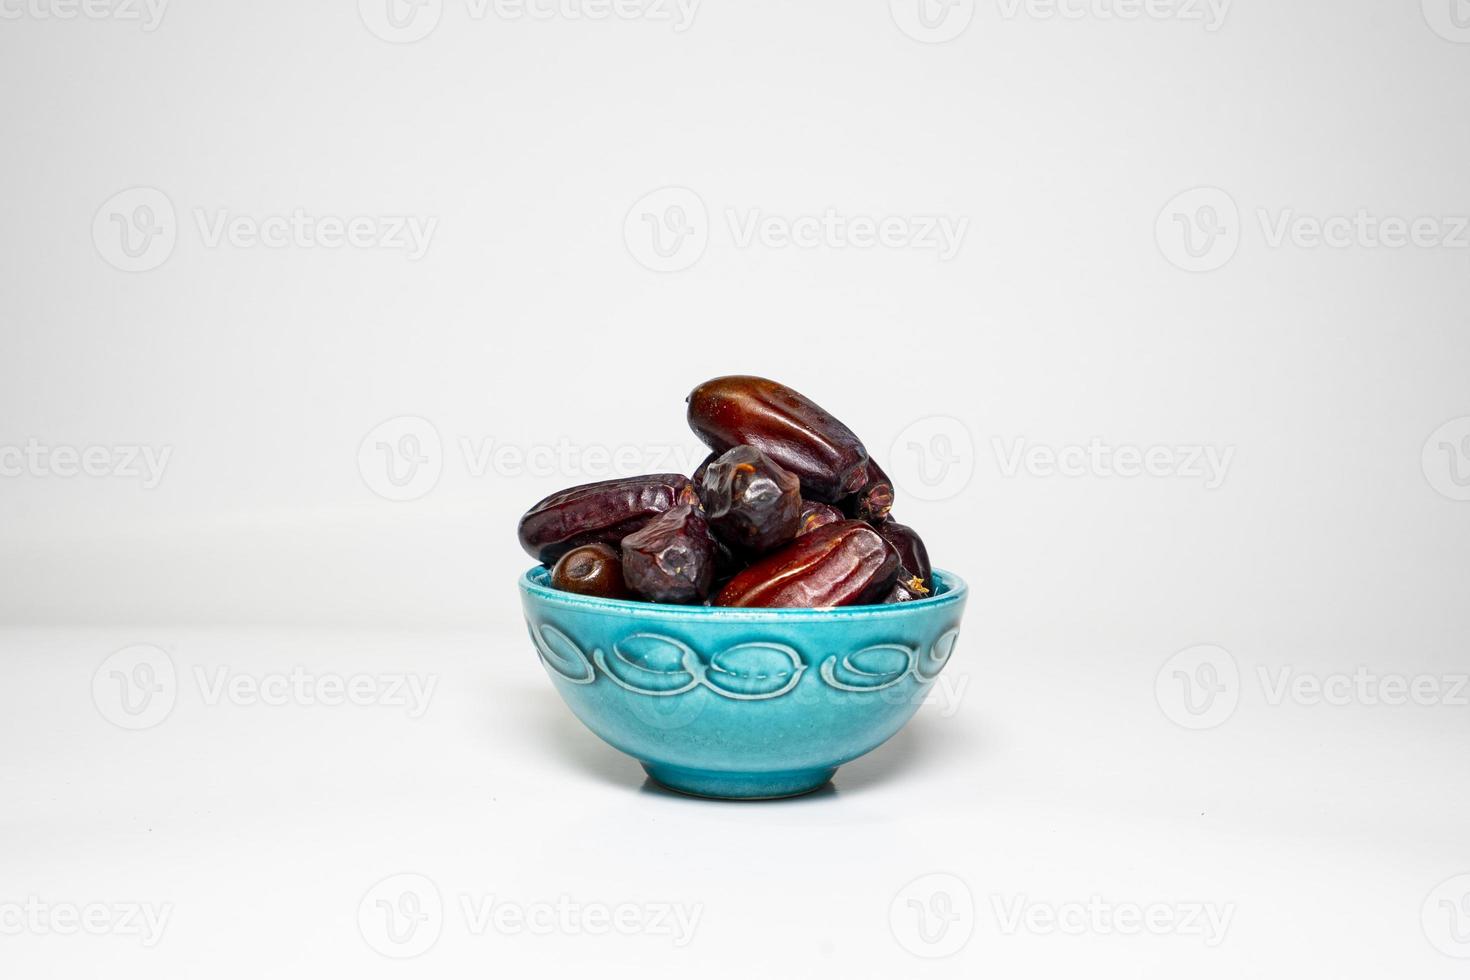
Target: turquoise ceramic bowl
(742, 703)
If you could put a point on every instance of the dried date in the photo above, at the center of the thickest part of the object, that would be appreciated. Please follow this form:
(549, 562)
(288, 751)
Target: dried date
(874, 499)
(699, 471)
(787, 426)
(607, 511)
(906, 589)
(842, 564)
(593, 569)
(911, 551)
(815, 514)
(753, 505)
(672, 557)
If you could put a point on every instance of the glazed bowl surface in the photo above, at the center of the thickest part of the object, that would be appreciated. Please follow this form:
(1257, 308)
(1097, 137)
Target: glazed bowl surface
(742, 703)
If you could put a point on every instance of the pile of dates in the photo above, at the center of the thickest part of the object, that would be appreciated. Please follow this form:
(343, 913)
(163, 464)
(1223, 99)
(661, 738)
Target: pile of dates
(787, 511)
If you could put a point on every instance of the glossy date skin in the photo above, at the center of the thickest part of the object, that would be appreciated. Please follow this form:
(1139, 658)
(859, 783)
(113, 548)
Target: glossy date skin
(607, 511)
(815, 514)
(593, 569)
(874, 499)
(752, 504)
(672, 557)
(842, 564)
(911, 551)
(787, 426)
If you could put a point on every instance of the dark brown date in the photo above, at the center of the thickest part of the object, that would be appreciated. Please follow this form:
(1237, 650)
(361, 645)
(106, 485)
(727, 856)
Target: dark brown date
(911, 551)
(785, 425)
(727, 563)
(815, 514)
(672, 557)
(752, 504)
(842, 564)
(593, 569)
(906, 589)
(874, 498)
(698, 478)
(607, 511)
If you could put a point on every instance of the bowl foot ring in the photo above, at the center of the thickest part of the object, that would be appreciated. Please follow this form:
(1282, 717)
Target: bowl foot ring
(714, 785)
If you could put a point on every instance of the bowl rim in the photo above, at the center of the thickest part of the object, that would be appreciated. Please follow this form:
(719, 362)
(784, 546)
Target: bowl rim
(956, 592)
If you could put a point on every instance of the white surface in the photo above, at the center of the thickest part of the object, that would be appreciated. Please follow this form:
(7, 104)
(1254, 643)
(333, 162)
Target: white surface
(275, 386)
(1320, 831)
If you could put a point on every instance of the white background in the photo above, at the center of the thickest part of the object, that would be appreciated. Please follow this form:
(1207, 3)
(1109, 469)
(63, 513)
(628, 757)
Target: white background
(1060, 762)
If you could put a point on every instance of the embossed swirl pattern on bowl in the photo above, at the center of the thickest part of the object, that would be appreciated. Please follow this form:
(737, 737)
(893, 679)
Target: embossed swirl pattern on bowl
(752, 670)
